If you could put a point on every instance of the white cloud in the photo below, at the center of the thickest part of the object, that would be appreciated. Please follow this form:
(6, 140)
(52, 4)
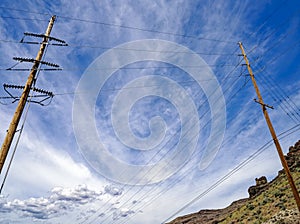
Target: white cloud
(48, 157)
(59, 203)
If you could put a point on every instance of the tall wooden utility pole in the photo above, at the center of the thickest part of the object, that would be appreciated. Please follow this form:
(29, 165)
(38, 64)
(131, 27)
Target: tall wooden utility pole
(272, 131)
(19, 110)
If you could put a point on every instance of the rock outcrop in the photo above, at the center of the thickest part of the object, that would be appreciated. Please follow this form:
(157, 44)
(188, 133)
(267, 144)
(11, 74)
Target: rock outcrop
(261, 184)
(293, 156)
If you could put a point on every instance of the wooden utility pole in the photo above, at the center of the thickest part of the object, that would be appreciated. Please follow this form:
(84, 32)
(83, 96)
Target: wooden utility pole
(22, 102)
(272, 131)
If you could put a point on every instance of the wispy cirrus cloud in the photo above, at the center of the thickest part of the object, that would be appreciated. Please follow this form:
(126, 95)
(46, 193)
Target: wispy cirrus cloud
(49, 147)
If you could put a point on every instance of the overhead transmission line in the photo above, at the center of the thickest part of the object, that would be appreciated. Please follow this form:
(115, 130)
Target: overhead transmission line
(282, 53)
(149, 161)
(230, 98)
(202, 117)
(12, 68)
(257, 31)
(145, 29)
(292, 47)
(187, 143)
(22, 126)
(20, 18)
(123, 26)
(236, 169)
(279, 96)
(272, 32)
(274, 12)
(274, 43)
(123, 173)
(268, 78)
(173, 182)
(23, 10)
(127, 49)
(188, 171)
(288, 106)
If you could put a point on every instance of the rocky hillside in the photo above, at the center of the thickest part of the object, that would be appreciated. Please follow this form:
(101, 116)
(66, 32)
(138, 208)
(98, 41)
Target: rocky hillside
(268, 202)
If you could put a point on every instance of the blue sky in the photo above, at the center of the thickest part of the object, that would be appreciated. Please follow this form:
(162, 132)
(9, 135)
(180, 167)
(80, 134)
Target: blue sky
(152, 107)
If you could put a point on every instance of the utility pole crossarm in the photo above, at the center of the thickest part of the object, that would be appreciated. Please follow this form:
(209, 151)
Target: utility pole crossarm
(28, 86)
(271, 129)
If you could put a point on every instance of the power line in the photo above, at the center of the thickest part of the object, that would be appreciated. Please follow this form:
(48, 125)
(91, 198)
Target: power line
(19, 18)
(272, 60)
(122, 68)
(270, 33)
(145, 30)
(150, 160)
(22, 126)
(125, 26)
(230, 86)
(172, 183)
(187, 172)
(123, 173)
(292, 47)
(284, 98)
(176, 181)
(278, 94)
(269, 17)
(283, 37)
(23, 10)
(232, 172)
(280, 99)
(125, 49)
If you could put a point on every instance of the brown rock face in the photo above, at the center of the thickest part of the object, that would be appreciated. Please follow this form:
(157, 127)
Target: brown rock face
(293, 156)
(261, 183)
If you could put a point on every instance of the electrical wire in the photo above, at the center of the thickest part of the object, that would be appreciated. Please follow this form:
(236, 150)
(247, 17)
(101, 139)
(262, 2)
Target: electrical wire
(19, 136)
(22, 126)
(292, 47)
(19, 18)
(285, 105)
(225, 90)
(273, 45)
(102, 24)
(123, 68)
(272, 60)
(23, 10)
(268, 17)
(123, 173)
(272, 32)
(248, 80)
(188, 171)
(186, 144)
(15, 148)
(125, 26)
(232, 172)
(278, 94)
(124, 49)
(145, 30)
